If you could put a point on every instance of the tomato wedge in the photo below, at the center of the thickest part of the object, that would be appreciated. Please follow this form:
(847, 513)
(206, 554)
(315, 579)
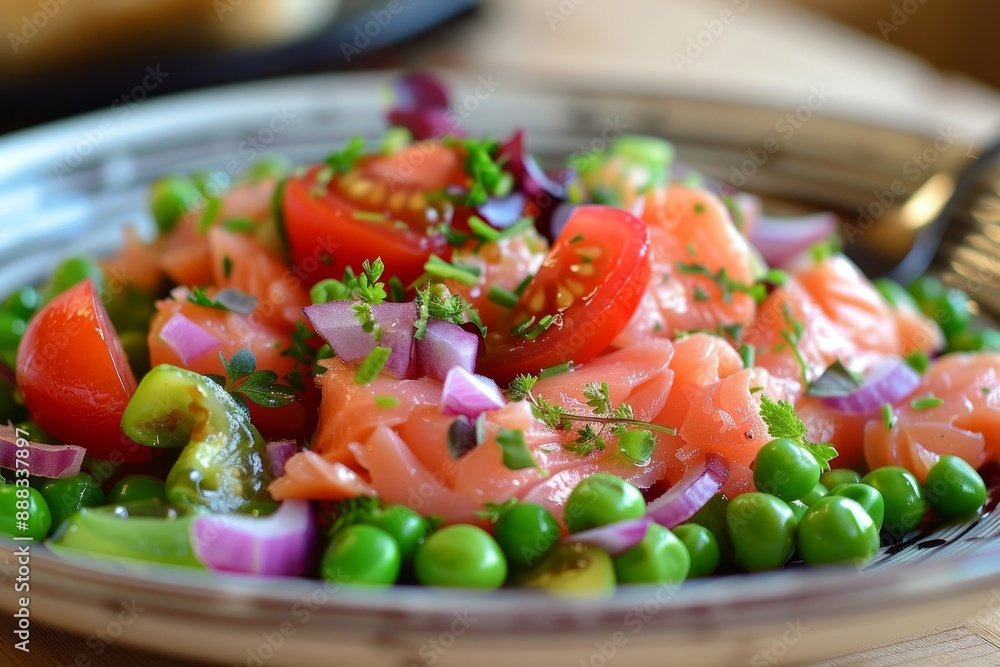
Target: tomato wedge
(589, 285)
(378, 209)
(75, 378)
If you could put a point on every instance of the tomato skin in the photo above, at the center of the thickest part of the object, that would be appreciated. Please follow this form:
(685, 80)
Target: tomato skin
(325, 238)
(75, 378)
(611, 293)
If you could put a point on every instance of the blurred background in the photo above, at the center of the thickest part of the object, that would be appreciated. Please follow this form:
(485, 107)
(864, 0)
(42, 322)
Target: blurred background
(891, 61)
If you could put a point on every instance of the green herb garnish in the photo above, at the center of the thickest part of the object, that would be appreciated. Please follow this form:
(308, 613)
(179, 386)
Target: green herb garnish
(245, 383)
(782, 422)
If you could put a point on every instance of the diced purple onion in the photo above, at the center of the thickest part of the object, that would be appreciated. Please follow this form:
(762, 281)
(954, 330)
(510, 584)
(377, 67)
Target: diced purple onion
(469, 395)
(280, 544)
(186, 338)
(54, 461)
(278, 452)
(780, 240)
(615, 538)
(691, 493)
(420, 104)
(544, 191)
(446, 346)
(889, 381)
(336, 323)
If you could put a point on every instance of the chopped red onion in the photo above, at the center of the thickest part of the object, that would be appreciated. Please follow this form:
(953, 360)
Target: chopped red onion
(615, 538)
(446, 346)
(186, 338)
(469, 395)
(684, 499)
(780, 240)
(336, 323)
(278, 452)
(279, 544)
(889, 381)
(43, 460)
(420, 105)
(544, 192)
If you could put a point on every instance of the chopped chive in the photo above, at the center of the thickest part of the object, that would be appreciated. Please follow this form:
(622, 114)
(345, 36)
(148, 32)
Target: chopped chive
(556, 370)
(501, 296)
(343, 160)
(227, 266)
(700, 294)
(514, 449)
(637, 445)
(691, 250)
(699, 208)
(748, 354)
(481, 229)
(926, 402)
(576, 239)
(239, 224)
(918, 361)
(888, 416)
(775, 276)
(985, 391)
(523, 284)
(372, 365)
(368, 216)
(463, 273)
(386, 401)
(452, 237)
(754, 390)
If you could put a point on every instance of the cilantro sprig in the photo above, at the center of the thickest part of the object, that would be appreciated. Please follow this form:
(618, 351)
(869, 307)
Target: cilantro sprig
(608, 420)
(782, 422)
(245, 383)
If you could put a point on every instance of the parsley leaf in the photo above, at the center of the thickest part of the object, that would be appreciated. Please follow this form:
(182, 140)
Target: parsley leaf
(514, 450)
(494, 510)
(782, 422)
(196, 295)
(343, 160)
(245, 383)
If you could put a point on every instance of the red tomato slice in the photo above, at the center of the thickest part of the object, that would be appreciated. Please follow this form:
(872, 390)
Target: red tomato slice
(590, 282)
(328, 230)
(75, 378)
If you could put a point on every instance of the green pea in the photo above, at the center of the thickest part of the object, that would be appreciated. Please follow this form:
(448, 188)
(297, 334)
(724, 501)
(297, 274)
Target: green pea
(785, 469)
(928, 292)
(974, 339)
(837, 530)
(405, 525)
(526, 532)
(702, 548)
(137, 487)
(170, 197)
(866, 496)
(895, 293)
(24, 303)
(65, 496)
(660, 558)
(904, 501)
(23, 512)
(954, 488)
(602, 499)
(713, 517)
(837, 476)
(815, 494)
(954, 315)
(461, 556)
(362, 555)
(798, 509)
(72, 271)
(762, 528)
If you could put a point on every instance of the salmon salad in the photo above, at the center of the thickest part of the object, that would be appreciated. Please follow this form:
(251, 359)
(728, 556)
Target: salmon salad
(430, 359)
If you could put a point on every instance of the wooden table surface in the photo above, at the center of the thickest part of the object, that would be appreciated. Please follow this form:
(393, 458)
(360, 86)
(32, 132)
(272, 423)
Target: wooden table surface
(973, 644)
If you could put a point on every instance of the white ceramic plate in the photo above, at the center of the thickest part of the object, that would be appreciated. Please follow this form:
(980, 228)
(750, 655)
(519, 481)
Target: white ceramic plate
(68, 187)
